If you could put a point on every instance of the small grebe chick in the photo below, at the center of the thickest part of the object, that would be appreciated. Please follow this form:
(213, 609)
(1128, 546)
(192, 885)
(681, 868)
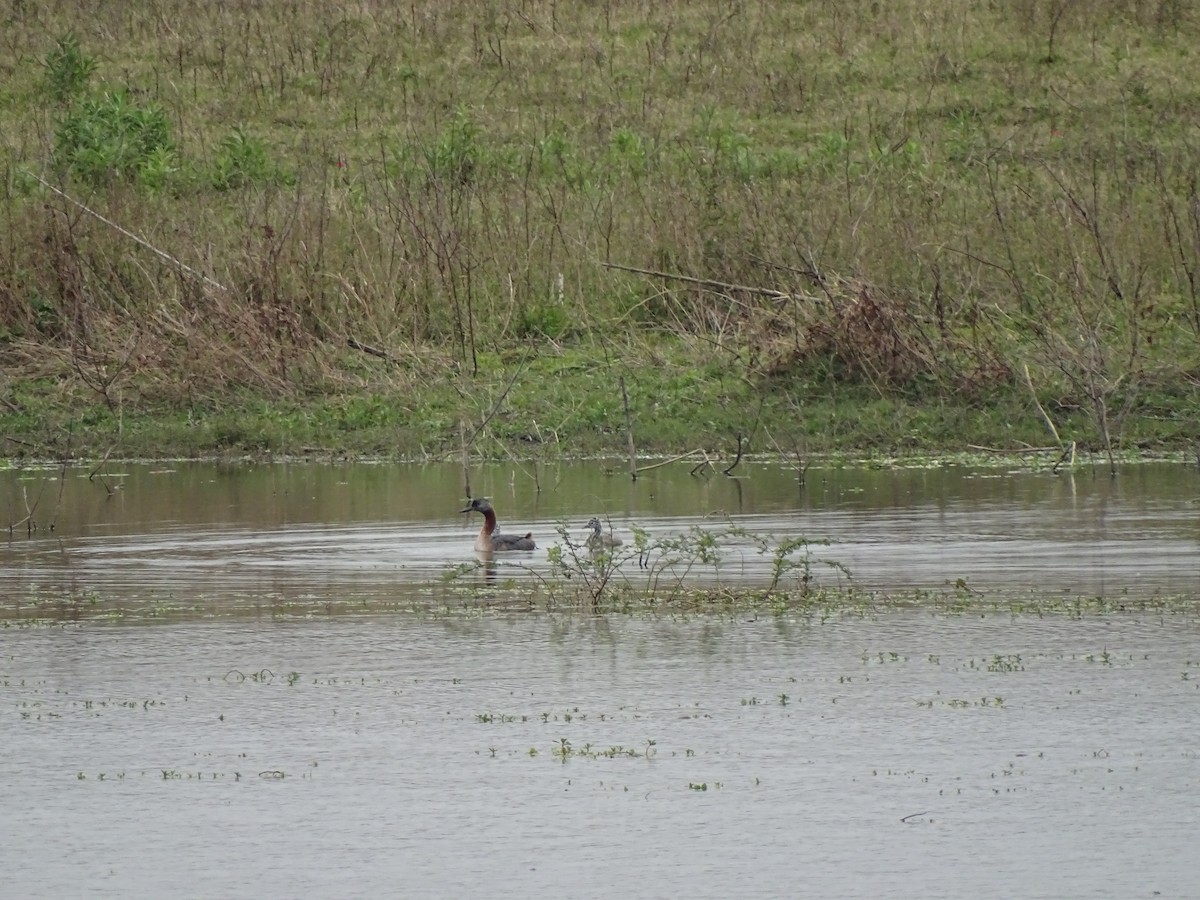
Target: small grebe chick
(598, 541)
(489, 540)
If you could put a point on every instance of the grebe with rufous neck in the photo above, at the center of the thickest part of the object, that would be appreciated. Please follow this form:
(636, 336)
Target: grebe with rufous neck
(489, 540)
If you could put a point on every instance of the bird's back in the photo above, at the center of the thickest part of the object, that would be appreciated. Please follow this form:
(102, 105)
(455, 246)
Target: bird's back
(512, 542)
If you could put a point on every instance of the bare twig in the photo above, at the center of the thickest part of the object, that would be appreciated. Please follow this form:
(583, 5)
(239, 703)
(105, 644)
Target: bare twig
(704, 282)
(466, 460)
(802, 469)
(100, 465)
(802, 464)
(99, 379)
(1045, 418)
(532, 476)
(737, 459)
(133, 237)
(1068, 457)
(28, 521)
(673, 459)
(496, 405)
(1015, 451)
(373, 351)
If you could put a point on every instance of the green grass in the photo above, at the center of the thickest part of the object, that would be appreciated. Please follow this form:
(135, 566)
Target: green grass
(923, 199)
(558, 406)
(567, 405)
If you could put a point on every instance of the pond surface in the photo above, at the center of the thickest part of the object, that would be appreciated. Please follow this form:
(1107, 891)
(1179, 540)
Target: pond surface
(901, 755)
(246, 681)
(217, 535)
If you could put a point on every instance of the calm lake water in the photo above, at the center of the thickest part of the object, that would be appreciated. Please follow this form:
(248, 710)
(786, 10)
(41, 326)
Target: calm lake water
(903, 755)
(218, 535)
(245, 745)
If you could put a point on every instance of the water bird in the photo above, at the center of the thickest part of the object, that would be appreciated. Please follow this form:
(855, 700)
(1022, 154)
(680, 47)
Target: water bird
(489, 539)
(597, 540)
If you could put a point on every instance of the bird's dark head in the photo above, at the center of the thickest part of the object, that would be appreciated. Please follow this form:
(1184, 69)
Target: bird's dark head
(479, 504)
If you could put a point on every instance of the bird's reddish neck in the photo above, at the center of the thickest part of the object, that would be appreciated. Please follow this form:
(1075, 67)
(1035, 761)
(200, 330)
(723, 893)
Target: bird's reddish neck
(489, 523)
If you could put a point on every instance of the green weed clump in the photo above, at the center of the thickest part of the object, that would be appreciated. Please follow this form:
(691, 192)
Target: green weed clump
(932, 204)
(665, 571)
(111, 136)
(242, 161)
(68, 68)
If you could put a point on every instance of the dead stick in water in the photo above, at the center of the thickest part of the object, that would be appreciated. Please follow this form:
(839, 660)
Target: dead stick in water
(737, 459)
(466, 460)
(673, 459)
(1068, 457)
(633, 468)
(1033, 394)
(537, 482)
(1013, 451)
(100, 465)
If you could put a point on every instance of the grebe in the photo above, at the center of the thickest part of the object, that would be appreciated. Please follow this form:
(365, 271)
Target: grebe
(598, 541)
(488, 540)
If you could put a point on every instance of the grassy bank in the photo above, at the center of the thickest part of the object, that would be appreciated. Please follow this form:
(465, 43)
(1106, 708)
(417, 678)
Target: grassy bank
(843, 226)
(567, 404)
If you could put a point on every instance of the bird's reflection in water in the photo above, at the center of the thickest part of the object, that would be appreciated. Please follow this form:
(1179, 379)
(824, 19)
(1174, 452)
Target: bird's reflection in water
(487, 568)
(494, 591)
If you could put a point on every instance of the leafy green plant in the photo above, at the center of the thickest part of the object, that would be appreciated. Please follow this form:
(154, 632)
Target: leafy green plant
(455, 155)
(111, 136)
(627, 153)
(158, 168)
(791, 558)
(541, 320)
(68, 68)
(560, 159)
(242, 160)
(657, 570)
